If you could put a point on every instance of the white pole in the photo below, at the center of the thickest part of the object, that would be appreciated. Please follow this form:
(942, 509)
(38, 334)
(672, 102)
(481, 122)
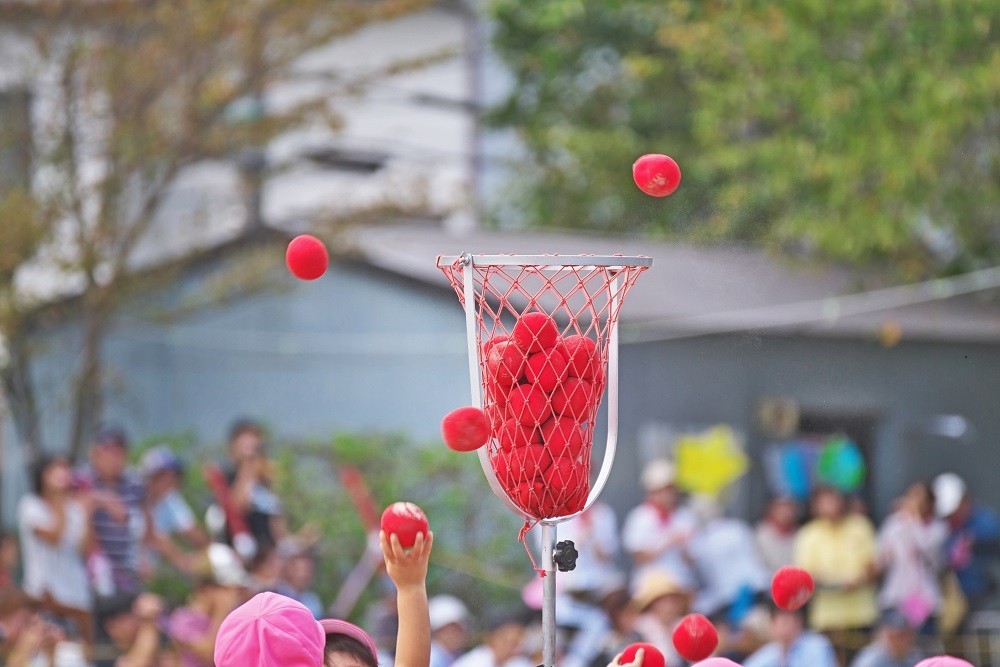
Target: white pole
(548, 596)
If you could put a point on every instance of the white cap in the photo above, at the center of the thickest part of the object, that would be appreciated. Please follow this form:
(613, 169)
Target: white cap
(949, 490)
(445, 610)
(658, 474)
(227, 570)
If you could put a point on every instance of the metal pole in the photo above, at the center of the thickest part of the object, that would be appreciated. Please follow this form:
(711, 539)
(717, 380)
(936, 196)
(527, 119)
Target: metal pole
(548, 596)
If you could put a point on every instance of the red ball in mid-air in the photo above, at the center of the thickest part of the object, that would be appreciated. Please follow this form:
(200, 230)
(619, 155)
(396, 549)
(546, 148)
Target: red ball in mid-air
(656, 175)
(465, 429)
(651, 656)
(695, 638)
(791, 587)
(406, 520)
(306, 257)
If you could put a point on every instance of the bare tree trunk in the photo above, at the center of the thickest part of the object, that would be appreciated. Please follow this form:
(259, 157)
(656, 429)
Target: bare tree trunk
(88, 394)
(20, 397)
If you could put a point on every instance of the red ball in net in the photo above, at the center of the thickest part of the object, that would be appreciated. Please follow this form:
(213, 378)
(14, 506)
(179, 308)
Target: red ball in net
(656, 175)
(535, 331)
(576, 502)
(528, 404)
(546, 369)
(406, 520)
(465, 429)
(306, 257)
(504, 364)
(584, 360)
(695, 638)
(574, 398)
(651, 656)
(791, 588)
(512, 434)
(564, 479)
(563, 436)
(488, 345)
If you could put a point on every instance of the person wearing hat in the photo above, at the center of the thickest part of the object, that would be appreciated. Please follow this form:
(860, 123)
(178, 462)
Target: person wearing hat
(657, 532)
(662, 602)
(792, 645)
(120, 521)
(895, 644)
(163, 471)
(449, 629)
(973, 536)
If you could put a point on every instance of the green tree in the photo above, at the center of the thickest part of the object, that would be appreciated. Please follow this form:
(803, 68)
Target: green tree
(132, 93)
(863, 131)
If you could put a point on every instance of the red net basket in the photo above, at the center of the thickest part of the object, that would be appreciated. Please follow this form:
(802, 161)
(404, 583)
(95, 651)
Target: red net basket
(542, 330)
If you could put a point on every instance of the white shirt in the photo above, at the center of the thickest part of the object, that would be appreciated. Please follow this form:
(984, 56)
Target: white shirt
(482, 656)
(724, 551)
(57, 570)
(913, 553)
(646, 530)
(595, 536)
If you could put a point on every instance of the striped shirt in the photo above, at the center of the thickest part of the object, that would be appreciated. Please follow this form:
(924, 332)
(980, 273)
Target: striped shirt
(120, 541)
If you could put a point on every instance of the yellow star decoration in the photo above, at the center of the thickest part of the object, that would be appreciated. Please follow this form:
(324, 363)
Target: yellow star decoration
(708, 462)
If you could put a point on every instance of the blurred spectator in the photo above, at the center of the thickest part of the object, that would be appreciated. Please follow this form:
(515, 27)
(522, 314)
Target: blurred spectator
(894, 646)
(594, 533)
(502, 644)
(617, 605)
(249, 475)
(911, 556)
(661, 602)
(194, 627)
(733, 578)
(775, 533)
(55, 532)
(297, 583)
(347, 644)
(24, 634)
(656, 533)
(119, 519)
(131, 622)
(838, 549)
(172, 517)
(9, 558)
(791, 645)
(449, 629)
(730, 570)
(974, 536)
(265, 571)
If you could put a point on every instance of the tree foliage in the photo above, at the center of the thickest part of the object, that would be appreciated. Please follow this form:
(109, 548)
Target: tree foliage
(126, 95)
(863, 131)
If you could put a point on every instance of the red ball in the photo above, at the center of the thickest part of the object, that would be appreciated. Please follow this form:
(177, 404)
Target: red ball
(656, 175)
(535, 331)
(465, 429)
(306, 257)
(528, 404)
(528, 496)
(651, 656)
(488, 344)
(563, 480)
(406, 520)
(574, 398)
(546, 369)
(576, 502)
(521, 464)
(695, 638)
(584, 360)
(792, 587)
(504, 364)
(513, 434)
(563, 436)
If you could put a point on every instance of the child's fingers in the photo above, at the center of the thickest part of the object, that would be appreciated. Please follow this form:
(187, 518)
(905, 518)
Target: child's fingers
(383, 542)
(397, 548)
(428, 545)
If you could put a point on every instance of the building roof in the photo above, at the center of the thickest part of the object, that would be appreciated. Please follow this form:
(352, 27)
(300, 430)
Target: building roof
(697, 290)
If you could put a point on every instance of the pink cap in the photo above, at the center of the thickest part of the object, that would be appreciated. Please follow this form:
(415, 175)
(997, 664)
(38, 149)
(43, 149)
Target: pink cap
(717, 662)
(334, 626)
(944, 661)
(270, 630)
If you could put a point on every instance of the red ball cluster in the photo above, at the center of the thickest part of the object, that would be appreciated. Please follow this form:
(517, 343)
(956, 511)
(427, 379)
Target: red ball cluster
(542, 392)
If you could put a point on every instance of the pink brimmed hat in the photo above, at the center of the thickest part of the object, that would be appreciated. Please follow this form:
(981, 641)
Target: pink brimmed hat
(270, 630)
(334, 626)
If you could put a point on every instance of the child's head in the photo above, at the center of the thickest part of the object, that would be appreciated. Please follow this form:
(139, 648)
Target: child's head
(270, 630)
(299, 571)
(347, 645)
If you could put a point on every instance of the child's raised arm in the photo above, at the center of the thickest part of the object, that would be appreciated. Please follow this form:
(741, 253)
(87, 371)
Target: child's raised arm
(408, 570)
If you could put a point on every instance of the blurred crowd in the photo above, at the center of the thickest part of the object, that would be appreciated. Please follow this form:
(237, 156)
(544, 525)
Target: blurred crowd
(74, 578)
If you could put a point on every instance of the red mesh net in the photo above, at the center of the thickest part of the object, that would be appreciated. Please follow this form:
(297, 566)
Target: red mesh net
(542, 340)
